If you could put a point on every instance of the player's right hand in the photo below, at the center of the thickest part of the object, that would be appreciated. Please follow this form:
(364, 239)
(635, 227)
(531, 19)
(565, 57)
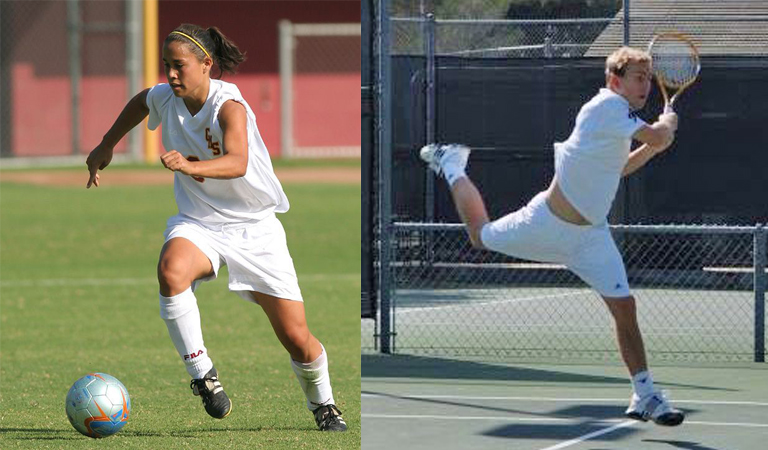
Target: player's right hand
(99, 158)
(670, 118)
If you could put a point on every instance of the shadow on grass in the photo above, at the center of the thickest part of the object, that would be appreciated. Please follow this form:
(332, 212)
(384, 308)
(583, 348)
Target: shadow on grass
(40, 434)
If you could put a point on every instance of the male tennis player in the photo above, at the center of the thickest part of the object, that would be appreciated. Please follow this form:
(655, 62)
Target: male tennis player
(567, 223)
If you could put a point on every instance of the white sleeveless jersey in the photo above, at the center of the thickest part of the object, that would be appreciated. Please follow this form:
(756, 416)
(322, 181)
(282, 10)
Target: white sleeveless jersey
(214, 202)
(589, 164)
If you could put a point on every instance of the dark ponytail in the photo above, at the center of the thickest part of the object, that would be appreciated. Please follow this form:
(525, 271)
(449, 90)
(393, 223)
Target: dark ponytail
(228, 56)
(210, 42)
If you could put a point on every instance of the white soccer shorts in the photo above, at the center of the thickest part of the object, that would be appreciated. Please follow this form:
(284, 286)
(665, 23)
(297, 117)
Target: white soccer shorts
(535, 234)
(255, 253)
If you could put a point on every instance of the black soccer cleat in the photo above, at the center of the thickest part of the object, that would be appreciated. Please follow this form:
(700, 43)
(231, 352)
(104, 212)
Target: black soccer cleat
(328, 418)
(215, 400)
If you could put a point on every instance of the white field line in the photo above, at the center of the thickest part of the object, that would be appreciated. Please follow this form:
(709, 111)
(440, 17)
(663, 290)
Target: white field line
(47, 282)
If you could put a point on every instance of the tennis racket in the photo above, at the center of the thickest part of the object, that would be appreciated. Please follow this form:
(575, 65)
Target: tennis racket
(675, 64)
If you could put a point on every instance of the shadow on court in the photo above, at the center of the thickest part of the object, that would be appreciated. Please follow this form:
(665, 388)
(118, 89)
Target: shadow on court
(404, 366)
(561, 432)
(681, 444)
(588, 418)
(584, 418)
(422, 367)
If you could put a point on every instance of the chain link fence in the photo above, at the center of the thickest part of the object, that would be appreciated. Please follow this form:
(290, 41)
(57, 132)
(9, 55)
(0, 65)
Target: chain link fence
(462, 71)
(572, 28)
(700, 292)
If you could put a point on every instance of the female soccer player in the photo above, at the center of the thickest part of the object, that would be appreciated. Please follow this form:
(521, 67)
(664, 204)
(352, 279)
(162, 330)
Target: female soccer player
(227, 195)
(567, 223)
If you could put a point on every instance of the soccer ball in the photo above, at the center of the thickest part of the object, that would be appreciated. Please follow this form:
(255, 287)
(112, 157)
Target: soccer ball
(98, 405)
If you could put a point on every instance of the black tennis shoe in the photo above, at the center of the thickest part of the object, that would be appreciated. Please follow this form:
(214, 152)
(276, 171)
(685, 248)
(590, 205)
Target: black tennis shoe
(654, 407)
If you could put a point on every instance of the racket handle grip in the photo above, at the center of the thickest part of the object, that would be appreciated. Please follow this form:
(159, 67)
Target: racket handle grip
(668, 108)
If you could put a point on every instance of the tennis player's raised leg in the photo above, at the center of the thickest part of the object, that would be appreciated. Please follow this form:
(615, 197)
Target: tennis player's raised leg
(646, 403)
(181, 263)
(450, 161)
(308, 358)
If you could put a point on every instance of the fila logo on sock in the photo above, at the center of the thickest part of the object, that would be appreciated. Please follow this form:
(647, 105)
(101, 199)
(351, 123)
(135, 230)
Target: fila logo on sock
(193, 355)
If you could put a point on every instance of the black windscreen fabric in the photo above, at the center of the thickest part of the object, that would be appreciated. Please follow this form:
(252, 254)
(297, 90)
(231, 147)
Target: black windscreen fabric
(511, 111)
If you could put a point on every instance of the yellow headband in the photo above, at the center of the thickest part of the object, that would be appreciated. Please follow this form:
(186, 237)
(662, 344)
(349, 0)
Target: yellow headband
(193, 40)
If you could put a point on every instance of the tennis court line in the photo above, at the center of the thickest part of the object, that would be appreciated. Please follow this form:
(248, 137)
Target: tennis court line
(45, 282)
(591, 435)
(566, 400)
(410, 309)
(552, 419)
(496, 418)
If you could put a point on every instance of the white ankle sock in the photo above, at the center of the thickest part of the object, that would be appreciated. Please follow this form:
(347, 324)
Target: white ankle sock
(642, 383)
(182, 317)
(315, 381)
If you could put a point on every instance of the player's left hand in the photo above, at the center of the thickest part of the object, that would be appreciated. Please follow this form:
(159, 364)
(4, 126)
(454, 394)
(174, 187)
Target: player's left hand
(174, 161)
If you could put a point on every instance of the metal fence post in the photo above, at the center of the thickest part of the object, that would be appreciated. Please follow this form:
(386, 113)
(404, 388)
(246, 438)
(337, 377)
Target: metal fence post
(6, 90)
(429, 194)
(133, 57)
(429, 51)
(74, 25)
(384, 147)
(760, 285)
(626, 22)
(286, 44)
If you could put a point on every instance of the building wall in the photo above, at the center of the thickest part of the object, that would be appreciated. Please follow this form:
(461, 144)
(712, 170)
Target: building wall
(36, 52)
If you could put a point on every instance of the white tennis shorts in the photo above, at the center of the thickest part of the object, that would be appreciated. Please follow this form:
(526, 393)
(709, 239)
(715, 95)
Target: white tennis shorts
(535, 234)
(256, 254)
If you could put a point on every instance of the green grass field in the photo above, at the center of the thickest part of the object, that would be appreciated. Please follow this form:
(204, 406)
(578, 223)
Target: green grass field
(78, 293)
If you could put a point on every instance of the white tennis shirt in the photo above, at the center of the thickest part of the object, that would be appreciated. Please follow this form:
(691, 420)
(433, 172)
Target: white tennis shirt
(589, 163)
(215, 202)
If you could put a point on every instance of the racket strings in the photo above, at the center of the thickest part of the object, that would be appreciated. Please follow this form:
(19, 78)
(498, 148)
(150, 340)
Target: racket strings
(675, 62)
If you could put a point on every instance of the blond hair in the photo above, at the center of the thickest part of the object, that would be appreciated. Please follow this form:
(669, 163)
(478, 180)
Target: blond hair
(618, 61)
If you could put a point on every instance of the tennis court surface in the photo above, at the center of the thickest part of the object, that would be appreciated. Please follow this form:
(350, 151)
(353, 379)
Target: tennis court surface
(537, 368)
(417, 402)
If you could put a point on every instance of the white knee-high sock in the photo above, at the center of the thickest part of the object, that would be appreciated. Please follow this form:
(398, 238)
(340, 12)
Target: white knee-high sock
(182, 317)
(315, 381)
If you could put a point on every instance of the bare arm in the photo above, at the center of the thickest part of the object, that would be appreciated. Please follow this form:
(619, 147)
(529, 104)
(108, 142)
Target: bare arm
(656, 138)
(660, 133)
(234, 162)
(133, 113)
(639, 157)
